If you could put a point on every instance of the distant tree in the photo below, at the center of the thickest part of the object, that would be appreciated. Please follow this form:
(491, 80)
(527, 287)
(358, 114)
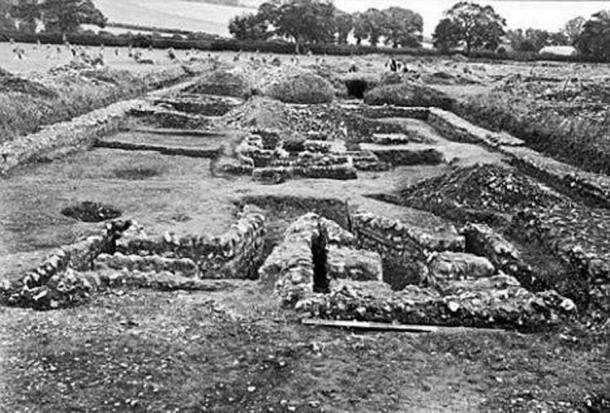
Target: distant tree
(472, 25)
(558, 39)
(594, 40)
(573, 28)
(447, 35)
(305, 21)
(7, 22)
(532, 40)
(372, 25)
(360, 27)
(27, 13)
(66, 16)
(344, 23)
(402, 27)
(249, 27)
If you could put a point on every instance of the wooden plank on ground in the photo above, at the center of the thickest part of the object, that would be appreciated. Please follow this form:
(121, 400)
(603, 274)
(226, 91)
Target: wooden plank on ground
(408, 328)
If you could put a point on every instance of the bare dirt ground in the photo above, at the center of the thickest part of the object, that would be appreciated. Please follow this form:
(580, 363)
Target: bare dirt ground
(232, 349)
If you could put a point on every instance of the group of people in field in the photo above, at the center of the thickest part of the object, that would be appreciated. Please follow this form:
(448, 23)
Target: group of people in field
(85, 54)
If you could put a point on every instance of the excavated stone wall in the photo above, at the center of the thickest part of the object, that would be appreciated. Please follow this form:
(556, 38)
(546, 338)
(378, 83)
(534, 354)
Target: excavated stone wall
(591, 187)
(233, 254)
(289, 270)
(467, 290)
(33, 289)
(497, 302)
(456, 128)
(121, 254)
(271, 162)
(64, 137)
(167, 118)
(206, 105)
(579, 237)
(393, 238)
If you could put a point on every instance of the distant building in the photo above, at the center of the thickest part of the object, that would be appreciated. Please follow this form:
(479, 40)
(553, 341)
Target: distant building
(559, 50)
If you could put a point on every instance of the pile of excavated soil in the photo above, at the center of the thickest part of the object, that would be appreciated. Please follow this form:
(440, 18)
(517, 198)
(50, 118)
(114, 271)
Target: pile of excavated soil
(222, 82)
(299, 86)
(479, 190)
(407, 94)
(16, 84)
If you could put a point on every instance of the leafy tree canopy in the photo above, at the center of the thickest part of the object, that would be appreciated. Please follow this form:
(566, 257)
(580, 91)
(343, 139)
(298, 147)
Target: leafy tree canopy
(63, 16)
(471, 25)
(532, 40)
(573, 28)
(249, 27)
(594, 40)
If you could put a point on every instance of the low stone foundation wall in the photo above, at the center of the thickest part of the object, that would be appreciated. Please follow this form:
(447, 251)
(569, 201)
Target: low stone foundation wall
(367, 161)
(32, 289)
(357, 265)
(395, 239)
(484, 241)
(497, 302)
(389, 111)
(233, 254)
(166, 118)
(59, 281)
(458, 129)
(290, 269)
(199, 104)
(64, 137)
(579, 237)
(405, 155)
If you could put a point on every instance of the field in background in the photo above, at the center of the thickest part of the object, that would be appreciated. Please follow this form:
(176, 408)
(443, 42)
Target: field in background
(173, 14)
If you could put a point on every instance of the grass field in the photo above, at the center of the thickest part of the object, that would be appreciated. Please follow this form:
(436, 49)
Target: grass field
(173, 14)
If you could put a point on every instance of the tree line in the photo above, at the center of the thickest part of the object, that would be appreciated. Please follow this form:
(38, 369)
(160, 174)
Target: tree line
(57, 16)
(466, 26)
(319, 21)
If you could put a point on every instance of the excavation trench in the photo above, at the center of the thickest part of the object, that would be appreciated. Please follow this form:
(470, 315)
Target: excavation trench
(320, 261)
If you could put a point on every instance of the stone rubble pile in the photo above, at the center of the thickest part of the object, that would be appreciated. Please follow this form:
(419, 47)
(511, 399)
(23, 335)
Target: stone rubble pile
(479, 192)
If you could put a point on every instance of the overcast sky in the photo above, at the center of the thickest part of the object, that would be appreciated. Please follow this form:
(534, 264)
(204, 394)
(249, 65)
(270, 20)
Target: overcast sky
(548, 15)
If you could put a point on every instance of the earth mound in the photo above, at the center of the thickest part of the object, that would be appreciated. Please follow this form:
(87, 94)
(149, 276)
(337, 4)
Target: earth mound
(222, 82)
(300, 87)
(480, 190)
(16, 84)
(407, 94)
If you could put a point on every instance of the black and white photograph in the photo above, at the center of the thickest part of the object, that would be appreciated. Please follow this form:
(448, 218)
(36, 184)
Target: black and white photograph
(310, 206)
